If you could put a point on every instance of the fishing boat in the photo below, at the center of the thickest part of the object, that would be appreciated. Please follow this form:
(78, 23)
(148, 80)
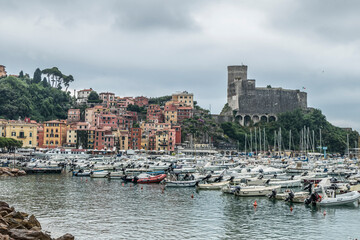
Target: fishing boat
(146, 178)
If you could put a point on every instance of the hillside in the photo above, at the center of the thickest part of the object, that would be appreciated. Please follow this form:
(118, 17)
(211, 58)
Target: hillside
(305, 130)
(23, 97)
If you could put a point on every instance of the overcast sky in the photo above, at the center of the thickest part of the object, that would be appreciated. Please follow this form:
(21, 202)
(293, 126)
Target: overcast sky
(155, 48)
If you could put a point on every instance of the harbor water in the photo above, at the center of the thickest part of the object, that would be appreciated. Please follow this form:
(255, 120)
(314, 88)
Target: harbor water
(108, 209)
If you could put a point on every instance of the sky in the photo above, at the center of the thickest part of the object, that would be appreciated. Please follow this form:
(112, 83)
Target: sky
(155, 48)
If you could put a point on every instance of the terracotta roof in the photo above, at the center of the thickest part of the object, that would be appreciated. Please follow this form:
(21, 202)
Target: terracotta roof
(86, 90)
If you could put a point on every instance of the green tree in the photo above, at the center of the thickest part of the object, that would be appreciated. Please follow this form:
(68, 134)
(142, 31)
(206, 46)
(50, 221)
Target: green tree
(93, 97)
(37, 76)
(21, 74)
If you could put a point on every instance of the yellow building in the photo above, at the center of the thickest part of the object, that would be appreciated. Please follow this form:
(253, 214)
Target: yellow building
(145, 142)
(171, 116)
(185, 99)
(162, 140)
(54, 133)
(122, 137)
(22, 131)
(71, 135)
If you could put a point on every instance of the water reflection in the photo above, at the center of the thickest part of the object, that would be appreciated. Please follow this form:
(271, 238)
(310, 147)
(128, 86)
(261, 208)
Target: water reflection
(103, 209)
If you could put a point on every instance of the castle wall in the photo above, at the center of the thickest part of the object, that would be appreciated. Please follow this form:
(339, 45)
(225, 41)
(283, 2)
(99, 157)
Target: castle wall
(259, 104)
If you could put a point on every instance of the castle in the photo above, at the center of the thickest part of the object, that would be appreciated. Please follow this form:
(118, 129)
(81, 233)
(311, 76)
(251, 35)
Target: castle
(254, 104)
(2, 71)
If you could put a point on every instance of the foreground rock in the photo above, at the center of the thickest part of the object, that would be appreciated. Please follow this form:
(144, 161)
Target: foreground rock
(19, 226)
(11, 172)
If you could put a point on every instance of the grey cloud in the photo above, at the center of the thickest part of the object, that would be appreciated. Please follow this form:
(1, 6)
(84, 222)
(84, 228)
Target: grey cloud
(331, 20)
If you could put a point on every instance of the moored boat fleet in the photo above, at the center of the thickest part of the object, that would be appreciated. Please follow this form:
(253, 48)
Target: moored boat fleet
(327, 182)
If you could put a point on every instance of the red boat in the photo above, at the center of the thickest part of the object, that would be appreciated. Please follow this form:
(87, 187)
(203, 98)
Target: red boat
(149, 178)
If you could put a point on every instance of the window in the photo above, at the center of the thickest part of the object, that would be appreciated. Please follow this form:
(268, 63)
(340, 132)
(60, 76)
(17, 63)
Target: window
(13, 134)
(30, 135)
(30, 142)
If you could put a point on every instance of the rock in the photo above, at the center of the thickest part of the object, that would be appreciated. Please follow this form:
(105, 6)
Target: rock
(3, 221)
(4, 204)
(5, 237)
(21, 173)
(14, 170)
(34, 222)
(23, 234)
(3, 229)
(14, 214)
(66, 237)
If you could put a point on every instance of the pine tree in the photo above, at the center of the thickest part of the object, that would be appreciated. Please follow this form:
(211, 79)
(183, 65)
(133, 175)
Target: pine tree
(37, 76)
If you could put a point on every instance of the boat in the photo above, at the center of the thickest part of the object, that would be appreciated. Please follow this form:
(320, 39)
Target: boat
(81, 173)
(188, 183)
(99, 174)
(116, 175)
(284, 183)
(350, 198)
(252, 191)
(146, 178)
(213, 186)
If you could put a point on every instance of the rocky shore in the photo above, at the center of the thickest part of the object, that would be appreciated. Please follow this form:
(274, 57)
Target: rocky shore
(16, 225)
(11, 172)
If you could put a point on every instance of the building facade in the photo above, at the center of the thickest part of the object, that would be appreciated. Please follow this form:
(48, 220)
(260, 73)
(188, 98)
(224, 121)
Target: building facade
(54, 133)
(22, 131)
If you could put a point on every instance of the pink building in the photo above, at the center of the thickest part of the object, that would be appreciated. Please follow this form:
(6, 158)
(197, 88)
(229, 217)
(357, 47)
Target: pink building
(125, 122)
(154, 113)
(107, 97)
(107, 120)
(184, 113)
(104, 139)
(141, 101)
(73, 115)
(125, 102)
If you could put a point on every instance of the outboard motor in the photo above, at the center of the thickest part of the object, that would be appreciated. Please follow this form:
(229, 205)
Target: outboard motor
(261, 170)
(273, 194)
(309, 187)
(218, 179)
(275, 175)
(267, 181)
(290, 197)
(292, 177)
(261, 176)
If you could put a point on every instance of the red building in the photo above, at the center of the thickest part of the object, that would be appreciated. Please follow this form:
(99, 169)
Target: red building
(154, 113)
(141, 101)
(40, 136)
(135, 138)
(177, 134)
(107, 120)
(104, 139)
(184, 113)
(125, 122)
(152, 142)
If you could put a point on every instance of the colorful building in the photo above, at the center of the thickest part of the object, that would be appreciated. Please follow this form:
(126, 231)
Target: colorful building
(54, 133)
(184, 113)
(73, 115)
(83, 95)
(170, 113)
(135, 139)
(141, 101)
(107, 97)
(185, 98)
(154, 113)
(24, 131)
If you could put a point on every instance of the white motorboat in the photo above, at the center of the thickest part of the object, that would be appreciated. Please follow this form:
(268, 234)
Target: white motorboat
(189, 183)
(251, 191)
(99, 174)
(212, 186)
(284, 183)
(350, 198)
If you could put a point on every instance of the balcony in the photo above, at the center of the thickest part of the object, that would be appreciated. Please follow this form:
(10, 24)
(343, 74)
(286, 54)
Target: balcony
(21, 137)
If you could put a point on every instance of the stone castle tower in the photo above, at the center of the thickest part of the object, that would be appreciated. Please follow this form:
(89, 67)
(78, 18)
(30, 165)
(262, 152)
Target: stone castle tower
(250, 103)
(2, 71)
